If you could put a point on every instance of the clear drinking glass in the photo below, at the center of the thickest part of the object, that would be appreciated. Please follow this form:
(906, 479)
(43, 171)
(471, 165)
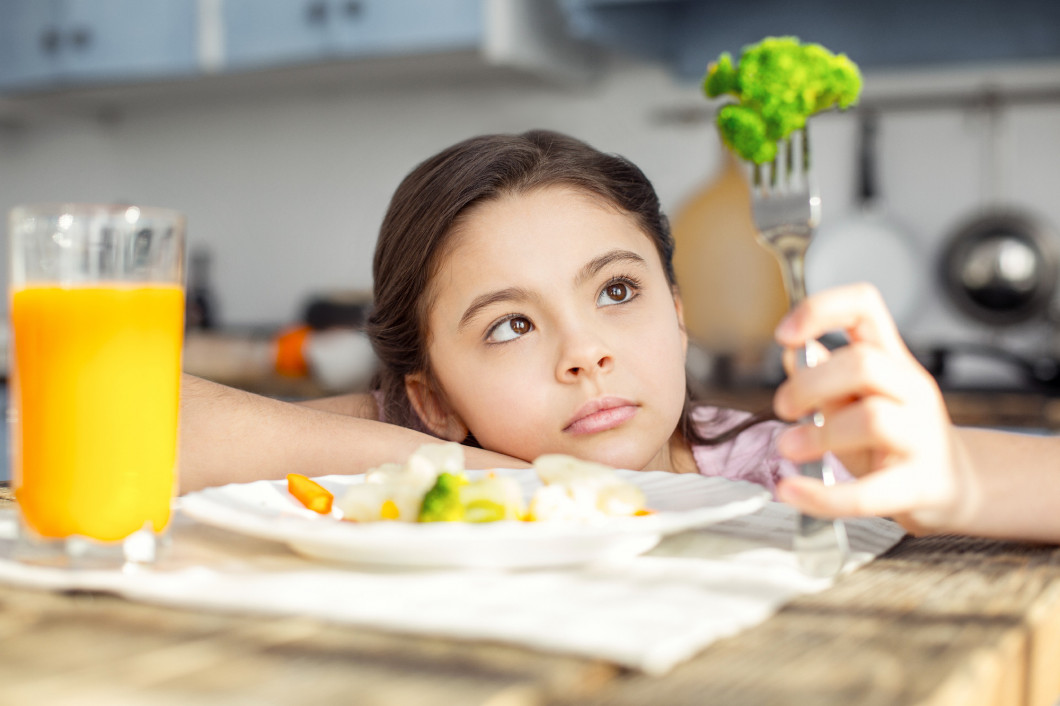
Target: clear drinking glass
(97, 320)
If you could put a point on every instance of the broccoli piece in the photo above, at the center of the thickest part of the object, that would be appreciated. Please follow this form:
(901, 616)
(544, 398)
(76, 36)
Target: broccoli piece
(778, 83)
(442, 502)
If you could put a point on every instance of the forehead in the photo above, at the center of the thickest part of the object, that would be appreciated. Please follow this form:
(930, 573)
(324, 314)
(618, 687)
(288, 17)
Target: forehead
(549, 225)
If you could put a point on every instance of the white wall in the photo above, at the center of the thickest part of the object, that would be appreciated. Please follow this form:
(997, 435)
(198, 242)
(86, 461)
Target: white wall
(288, 187)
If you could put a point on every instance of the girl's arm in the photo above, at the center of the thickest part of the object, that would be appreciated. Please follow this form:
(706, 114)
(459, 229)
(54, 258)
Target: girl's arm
(353, 405)
(232, 436)
(886, 419)
(1014, 485)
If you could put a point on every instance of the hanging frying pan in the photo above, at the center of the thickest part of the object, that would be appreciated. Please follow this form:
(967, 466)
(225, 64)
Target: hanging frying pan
(1000, 268)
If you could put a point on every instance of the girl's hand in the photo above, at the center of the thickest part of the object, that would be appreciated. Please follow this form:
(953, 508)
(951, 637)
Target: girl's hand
(884, 418)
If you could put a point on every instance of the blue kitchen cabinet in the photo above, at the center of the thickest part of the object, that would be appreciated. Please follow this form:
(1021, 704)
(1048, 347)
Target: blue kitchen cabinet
(262, 33)
(273, 32)
(686, 35)
(28, 42)
(54, 43)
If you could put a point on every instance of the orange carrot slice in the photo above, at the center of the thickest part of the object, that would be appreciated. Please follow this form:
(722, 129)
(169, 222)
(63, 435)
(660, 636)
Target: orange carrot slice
(310, 493)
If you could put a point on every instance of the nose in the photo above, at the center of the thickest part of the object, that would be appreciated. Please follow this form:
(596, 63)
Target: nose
(583, 354)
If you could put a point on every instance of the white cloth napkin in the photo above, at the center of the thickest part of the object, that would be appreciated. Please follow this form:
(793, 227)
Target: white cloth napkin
(649, 612)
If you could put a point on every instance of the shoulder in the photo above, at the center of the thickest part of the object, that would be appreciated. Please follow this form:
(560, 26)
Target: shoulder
(750, 456)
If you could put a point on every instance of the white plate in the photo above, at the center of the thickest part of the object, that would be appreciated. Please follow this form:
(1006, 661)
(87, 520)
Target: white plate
(266, 510)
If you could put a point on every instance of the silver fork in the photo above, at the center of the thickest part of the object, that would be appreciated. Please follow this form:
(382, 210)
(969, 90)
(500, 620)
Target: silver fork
(786, 209)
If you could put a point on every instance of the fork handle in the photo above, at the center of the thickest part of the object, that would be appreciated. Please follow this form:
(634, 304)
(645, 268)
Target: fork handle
(820, 544)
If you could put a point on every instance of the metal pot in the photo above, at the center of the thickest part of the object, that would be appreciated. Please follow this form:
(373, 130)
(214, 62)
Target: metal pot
(1000, 268)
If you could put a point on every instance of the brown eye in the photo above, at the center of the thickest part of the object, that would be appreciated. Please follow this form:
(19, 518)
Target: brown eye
(510, 329)
(617, 291)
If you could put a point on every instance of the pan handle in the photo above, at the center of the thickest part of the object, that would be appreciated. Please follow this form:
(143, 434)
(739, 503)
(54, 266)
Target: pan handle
(868, 179)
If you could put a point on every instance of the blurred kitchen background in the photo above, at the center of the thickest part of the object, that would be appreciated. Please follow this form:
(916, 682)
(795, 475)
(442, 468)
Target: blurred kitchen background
(281, 127)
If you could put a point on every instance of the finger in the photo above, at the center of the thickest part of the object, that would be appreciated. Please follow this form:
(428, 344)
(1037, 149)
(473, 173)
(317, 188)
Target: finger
(857, 309)
(872, 424)
(852, 372)
(886, 493)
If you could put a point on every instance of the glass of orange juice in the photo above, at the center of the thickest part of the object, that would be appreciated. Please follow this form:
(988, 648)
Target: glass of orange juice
(97, 319)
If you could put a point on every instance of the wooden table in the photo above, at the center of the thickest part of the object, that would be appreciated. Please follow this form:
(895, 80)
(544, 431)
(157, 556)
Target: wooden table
(943, 620)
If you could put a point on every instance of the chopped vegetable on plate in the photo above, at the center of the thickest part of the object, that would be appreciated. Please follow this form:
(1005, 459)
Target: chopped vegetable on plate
(432, 486)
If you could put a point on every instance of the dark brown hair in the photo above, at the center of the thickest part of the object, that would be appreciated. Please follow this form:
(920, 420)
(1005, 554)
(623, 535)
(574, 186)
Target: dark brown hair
(427, 208)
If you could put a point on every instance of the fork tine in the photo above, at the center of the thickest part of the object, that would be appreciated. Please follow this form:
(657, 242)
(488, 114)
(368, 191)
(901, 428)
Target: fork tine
(806, 149)
(787, 175)
(789, 159)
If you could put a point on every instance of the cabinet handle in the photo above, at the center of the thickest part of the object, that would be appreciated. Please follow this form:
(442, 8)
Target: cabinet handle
(80, 37)
(49, 40)
(317, 12)
(353, 9)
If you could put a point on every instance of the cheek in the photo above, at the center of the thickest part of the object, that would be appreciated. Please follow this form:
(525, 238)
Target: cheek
(511, 420)
(664, 366)
(668, 348)
(495, 402)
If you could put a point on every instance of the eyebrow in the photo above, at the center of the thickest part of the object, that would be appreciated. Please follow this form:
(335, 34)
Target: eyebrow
(593, 267)
(509, 294)
(518, 294)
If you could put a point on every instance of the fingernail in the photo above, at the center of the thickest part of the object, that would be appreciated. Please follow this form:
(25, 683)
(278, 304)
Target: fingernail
(785, 328)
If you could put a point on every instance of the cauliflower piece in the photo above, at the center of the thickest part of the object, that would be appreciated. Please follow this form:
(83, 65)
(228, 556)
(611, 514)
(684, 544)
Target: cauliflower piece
(364, 502)
(395, 491)
(492, 499)
(432, 459)
(581, 490)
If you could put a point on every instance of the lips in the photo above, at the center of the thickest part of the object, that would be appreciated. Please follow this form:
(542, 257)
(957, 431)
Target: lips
(601, 415)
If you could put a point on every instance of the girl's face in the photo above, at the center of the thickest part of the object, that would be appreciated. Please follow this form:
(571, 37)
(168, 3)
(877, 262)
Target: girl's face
(553, 330)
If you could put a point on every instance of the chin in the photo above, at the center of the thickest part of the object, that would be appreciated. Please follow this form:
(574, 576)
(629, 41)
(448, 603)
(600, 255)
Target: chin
(625, 458)
(615, 450)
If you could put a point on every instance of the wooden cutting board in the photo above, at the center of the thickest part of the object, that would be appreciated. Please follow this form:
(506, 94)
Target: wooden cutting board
(731, 286)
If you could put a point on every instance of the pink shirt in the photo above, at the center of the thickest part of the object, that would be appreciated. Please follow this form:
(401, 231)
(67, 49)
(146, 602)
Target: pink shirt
(751, 455)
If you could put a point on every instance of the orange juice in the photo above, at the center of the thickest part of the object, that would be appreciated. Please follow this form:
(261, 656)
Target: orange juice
(96, 389)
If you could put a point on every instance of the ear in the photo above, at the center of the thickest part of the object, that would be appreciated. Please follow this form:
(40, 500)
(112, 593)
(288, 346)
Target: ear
(432, 408)
(679, 307)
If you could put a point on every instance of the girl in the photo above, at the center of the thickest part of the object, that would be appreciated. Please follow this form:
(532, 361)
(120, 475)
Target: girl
(525, 303)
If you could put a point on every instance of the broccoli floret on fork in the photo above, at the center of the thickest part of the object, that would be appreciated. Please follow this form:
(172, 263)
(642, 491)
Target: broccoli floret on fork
(778, 83)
